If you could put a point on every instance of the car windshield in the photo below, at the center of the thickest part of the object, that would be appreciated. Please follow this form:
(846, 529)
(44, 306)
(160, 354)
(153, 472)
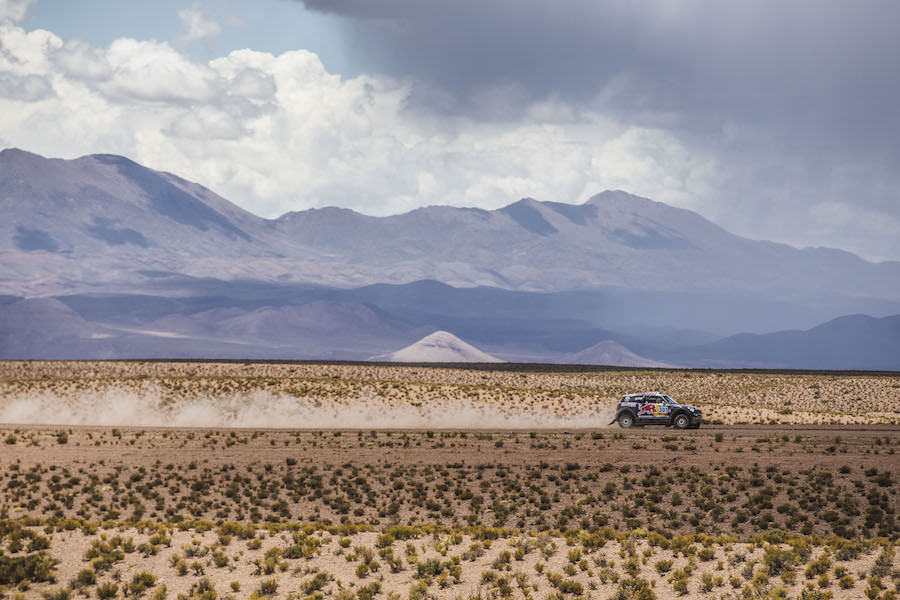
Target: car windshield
(668, 400)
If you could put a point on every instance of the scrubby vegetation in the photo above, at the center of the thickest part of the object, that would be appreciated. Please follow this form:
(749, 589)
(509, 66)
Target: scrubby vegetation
(726, 397)
(206, 513)
(470, 562)
(537, 481)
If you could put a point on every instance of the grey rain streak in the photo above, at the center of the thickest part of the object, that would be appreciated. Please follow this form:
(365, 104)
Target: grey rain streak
(796, 100)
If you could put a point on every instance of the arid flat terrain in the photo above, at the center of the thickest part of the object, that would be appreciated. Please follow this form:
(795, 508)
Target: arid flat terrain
(307, 395)
(488, 484)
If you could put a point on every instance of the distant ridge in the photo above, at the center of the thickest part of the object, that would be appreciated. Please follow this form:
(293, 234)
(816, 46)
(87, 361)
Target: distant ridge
(849, 342)
(438, 347)
(612, 354)
(104, 222)
(101, 257)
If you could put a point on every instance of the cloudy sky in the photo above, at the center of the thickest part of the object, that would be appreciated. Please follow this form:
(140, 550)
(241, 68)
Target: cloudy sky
(777, 119)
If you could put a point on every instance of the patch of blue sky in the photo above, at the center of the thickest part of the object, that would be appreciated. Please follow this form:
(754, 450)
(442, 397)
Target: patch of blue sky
(273, 26)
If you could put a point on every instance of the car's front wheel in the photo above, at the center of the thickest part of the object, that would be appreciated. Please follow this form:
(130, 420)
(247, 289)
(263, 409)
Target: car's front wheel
(626, 420)
(681, 422)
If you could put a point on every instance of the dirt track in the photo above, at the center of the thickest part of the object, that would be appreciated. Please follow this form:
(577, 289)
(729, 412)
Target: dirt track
(322, 396)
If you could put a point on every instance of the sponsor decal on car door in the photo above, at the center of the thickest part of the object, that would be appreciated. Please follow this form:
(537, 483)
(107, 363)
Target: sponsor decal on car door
(653, 412)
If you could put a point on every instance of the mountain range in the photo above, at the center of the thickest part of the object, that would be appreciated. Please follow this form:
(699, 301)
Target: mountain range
(102, 257)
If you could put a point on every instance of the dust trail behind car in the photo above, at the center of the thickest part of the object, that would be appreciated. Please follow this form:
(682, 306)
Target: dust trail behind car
(147, 407)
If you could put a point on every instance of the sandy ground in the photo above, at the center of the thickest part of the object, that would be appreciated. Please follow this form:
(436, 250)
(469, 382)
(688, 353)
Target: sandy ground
(492, 483)
(322, 396)
(485, 568)
(631, 486)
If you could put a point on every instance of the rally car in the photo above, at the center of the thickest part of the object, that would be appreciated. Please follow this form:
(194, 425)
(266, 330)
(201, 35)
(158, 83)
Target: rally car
(655, 408)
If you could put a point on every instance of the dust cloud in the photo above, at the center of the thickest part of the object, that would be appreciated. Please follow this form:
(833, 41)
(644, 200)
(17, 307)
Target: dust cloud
(261, 409)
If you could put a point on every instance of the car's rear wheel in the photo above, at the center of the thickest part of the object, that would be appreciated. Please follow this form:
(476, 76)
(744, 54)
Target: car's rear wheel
(681, 422)
(626, 420)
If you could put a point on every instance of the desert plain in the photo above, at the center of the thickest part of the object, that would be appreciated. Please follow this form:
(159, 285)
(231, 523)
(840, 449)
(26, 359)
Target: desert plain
(208, 480)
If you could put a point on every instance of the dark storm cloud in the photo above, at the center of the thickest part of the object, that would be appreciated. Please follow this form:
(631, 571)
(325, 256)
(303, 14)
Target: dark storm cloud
(822, 76)
(797, 100)
(756, 60)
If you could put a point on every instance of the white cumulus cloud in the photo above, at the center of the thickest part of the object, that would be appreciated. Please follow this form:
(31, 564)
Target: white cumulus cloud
(207, 123)
(279, 132)
(14, 10)
(155, 72)
(197, 25)
(80, 60)
(27, 88)
(252, 83)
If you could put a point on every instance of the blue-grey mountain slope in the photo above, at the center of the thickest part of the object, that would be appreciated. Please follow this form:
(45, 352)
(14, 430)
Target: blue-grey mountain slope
(45, 328)
(101, 257)
(609, 353)
(849, 342)
(614, 239)
(103, 222)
